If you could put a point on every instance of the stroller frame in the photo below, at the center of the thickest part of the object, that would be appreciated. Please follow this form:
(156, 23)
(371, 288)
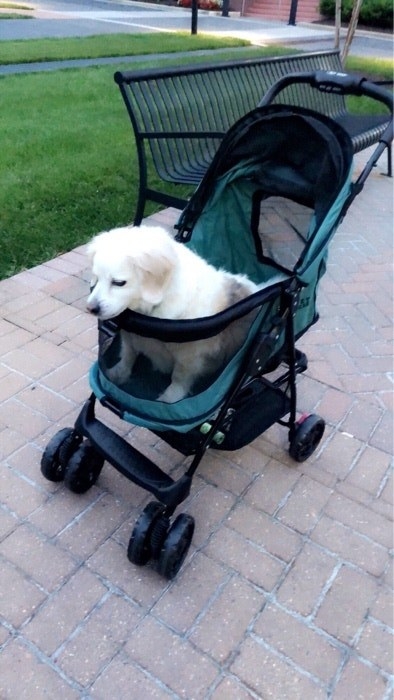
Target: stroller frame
(76, 455)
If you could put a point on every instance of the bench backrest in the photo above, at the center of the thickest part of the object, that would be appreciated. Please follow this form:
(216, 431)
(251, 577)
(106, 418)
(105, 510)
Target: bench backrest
(201, 102)
(210, 98)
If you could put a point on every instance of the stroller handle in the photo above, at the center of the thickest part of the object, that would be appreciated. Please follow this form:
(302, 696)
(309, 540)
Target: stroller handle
(332, 81)
(339, 83)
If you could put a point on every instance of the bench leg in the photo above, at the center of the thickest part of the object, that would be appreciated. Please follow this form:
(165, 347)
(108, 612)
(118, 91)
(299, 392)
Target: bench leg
(389, 160)
(139, 212)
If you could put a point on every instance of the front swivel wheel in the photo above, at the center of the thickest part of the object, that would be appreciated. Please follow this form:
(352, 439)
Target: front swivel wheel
(176, 546)
(141, 547)
(154, 539)
(57, 453)
(83, 468)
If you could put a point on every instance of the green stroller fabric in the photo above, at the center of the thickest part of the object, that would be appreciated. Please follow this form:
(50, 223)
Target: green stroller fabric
(137, 397)
(280, 153)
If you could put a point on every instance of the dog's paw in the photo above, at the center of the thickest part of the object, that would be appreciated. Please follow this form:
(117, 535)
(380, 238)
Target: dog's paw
(118, 374)
(173, 393)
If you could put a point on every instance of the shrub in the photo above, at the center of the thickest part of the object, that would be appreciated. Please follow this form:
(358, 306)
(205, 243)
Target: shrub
(327, 8)
(378, 13)
(373, 13)
(202, 4)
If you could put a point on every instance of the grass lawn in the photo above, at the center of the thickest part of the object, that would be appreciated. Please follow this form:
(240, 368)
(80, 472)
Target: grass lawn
(14, 6)
(67, 164)
(110, 45)
(6, 6)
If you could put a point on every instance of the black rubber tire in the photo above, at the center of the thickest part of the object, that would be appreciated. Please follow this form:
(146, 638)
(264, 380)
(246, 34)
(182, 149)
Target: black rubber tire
(176, 546)
(83, 468)
(158, 535)
(308, 434)
(139, 550)
(53, 462)
(69, 446)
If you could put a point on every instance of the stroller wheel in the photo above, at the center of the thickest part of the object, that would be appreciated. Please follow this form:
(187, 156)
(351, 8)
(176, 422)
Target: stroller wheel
(57, 453)
(176, 546)
(83, 468)
(158, 535)
(308, 434)
(139, 551)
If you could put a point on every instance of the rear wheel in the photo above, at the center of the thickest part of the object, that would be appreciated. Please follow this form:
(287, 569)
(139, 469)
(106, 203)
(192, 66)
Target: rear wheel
(309, 431)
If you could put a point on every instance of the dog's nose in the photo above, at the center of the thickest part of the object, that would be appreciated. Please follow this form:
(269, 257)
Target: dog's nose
(93, 308)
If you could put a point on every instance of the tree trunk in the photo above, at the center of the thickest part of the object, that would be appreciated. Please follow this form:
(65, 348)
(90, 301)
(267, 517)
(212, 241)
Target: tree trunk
(351, 29)
(338, 10)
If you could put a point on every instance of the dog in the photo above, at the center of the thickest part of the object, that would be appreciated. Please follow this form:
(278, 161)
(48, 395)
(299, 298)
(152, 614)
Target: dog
(144, 269)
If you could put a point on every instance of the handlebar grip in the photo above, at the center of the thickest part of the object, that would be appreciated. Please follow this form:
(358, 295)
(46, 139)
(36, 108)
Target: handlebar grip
(348, 84)
(344, 83)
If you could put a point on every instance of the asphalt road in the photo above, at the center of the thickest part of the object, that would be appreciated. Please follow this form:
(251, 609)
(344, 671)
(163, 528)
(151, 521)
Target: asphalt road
(66, 18)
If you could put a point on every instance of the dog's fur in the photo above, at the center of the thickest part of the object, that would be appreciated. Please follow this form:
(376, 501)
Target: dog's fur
(145, 270)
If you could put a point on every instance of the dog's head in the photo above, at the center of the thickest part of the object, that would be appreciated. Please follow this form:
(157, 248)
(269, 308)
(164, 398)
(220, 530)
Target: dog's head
(130, 270)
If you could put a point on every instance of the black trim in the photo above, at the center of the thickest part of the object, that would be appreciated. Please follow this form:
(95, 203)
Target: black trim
(191, 329)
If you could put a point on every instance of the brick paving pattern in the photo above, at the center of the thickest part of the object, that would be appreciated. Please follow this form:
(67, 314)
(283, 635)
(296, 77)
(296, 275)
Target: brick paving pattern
(287, 589)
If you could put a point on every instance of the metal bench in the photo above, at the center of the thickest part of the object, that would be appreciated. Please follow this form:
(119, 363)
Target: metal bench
(180, 115)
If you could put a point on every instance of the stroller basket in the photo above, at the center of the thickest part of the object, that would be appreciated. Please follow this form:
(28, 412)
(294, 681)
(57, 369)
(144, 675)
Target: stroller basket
(268, 206)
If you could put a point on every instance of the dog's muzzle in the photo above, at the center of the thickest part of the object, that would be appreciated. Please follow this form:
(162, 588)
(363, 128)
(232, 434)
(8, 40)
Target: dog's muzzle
(93, 308)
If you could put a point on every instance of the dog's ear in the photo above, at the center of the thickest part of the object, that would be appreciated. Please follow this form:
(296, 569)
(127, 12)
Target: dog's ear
(98, 241)
(91, 247)
(156, 267)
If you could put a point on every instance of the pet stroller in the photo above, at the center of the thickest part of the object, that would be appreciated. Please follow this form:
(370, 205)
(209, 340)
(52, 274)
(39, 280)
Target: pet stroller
(267, 207)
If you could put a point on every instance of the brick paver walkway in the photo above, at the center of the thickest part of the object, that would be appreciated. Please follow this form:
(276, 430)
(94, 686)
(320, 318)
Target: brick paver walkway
(287, 590)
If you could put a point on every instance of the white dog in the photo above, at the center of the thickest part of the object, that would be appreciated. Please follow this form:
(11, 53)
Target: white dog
(144, 269)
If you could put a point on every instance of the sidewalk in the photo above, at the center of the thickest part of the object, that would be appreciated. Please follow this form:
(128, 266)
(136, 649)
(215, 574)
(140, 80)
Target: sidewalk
(287, 590)
(61, 20)
(56, 19)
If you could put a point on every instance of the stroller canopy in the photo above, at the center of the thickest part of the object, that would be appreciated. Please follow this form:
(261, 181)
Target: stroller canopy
(273, 152)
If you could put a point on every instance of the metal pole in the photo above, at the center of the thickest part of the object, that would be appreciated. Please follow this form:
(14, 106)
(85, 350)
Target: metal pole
(225, 8)
(293, 12)
(194, 16)
(338, 11)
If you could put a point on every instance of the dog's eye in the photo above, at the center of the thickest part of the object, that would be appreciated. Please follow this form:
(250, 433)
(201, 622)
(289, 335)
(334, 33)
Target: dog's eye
(118, 283)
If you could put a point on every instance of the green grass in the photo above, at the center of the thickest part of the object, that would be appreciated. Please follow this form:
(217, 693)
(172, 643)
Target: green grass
(374, 68)
(110, 45)
(371, 68)
(14, 6)
(68, 166)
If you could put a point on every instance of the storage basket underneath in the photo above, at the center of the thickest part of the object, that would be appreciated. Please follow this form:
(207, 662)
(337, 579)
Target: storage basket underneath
(258, 406)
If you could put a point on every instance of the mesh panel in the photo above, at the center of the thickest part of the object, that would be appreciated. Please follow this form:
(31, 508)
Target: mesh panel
(283, 230)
